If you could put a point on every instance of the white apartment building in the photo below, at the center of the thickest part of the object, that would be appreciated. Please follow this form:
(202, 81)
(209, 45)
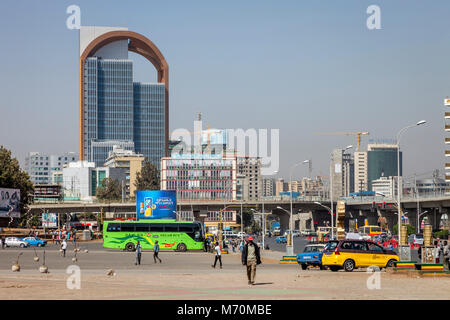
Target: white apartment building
(386, 186)
(360, 159)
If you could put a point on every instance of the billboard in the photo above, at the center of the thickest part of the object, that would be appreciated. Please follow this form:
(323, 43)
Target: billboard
(156, 204)
(49, 220)
(9, 203)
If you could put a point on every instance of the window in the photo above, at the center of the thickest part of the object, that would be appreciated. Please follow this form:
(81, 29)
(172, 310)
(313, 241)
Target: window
(357, 245)
(185, 228)
(156, 227)
(347, 245)
(171, 228)
(142, 227)
(307, 249)
(127, 227)
(374, 247)
(112, 227)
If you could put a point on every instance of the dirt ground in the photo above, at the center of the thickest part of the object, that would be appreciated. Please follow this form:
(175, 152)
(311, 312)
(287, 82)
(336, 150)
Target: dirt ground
(290, 283)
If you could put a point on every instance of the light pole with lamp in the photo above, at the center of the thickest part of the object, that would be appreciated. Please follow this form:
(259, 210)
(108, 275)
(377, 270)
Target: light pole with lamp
(331, 214)
(331, 193)
(399, 182)
(418, 220)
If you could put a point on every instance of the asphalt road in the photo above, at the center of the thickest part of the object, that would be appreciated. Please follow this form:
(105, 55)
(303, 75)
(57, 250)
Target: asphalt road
(99, 258)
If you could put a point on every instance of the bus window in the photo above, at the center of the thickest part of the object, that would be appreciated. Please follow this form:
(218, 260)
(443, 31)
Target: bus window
(186, 228)
(142, 227)
(112, 227)
(127, 227)
(170, 228)
(156, 227)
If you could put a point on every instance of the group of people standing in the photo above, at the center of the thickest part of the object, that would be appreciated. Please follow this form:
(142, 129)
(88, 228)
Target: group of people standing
(139, 253)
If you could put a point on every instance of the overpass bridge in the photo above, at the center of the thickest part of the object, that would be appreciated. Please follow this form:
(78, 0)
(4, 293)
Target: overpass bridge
(436, 207)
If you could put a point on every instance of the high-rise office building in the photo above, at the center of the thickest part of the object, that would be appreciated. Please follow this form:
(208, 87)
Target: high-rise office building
(342, 170)
(382, 161)
(40, 166)
(114, 110)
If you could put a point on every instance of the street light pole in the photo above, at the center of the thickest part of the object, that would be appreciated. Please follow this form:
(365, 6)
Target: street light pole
(399, 182)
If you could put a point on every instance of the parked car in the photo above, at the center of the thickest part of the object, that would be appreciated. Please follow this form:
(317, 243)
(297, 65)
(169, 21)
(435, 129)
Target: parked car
(306, 233)
(353, 254)
(296, 233)
(15, 242)
(311, 256)
(281, 239)
(242, 234)
(33, 241)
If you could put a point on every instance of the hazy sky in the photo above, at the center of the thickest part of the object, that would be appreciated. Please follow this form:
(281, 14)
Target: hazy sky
(300, 66)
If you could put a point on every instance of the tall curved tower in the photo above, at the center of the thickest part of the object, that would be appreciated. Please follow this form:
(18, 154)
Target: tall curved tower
(114, 110)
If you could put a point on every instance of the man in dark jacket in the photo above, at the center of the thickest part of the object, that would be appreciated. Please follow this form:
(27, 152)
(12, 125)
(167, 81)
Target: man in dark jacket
(251, 258)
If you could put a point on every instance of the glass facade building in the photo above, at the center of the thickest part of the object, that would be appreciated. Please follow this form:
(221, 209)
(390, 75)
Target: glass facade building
(120, 112)
(382, 162)
(149, 120)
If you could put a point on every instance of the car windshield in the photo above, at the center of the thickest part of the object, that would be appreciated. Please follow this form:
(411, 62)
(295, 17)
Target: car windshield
(419, 236)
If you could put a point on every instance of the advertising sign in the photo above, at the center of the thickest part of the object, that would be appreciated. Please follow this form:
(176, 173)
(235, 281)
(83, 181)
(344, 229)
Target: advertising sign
(9, 203)
(49, 220)
(158, 204)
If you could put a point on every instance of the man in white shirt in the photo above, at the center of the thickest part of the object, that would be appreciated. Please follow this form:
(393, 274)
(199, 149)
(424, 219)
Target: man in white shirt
(64, 247)
(218, 256)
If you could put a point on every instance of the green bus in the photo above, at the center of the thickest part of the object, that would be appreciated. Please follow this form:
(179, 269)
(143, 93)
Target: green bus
(171, 235)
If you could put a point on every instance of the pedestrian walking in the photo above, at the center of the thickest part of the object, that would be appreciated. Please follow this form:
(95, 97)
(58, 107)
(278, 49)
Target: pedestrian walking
(64, 247)
(3, 242)
(138, 253)
(53, 237)
(251, 258)
(156, 251)
(218, 252)
(74, 238)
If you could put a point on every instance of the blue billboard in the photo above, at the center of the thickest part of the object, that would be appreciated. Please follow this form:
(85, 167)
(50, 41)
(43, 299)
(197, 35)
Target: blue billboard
(156, 204)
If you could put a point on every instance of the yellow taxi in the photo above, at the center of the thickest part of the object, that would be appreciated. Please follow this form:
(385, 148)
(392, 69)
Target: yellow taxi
(353, 254)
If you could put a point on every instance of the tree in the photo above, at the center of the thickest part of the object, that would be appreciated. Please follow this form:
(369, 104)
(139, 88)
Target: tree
(148, 177)
(411, 229)
(109, 190)
(11, 176)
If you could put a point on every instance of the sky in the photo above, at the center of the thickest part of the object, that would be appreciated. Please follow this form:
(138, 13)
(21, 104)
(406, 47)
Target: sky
(302, 67)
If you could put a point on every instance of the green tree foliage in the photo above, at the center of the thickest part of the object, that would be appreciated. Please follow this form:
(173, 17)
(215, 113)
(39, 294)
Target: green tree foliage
(411, 229)
(109, 190)
(148, 177)
(11, 176)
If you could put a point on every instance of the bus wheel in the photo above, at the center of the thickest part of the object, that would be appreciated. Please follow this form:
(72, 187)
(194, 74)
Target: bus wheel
(181, 247)
(129, 246)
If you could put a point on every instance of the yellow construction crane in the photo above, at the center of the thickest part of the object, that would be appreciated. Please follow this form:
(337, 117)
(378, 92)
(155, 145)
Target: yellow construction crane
(358, 135)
